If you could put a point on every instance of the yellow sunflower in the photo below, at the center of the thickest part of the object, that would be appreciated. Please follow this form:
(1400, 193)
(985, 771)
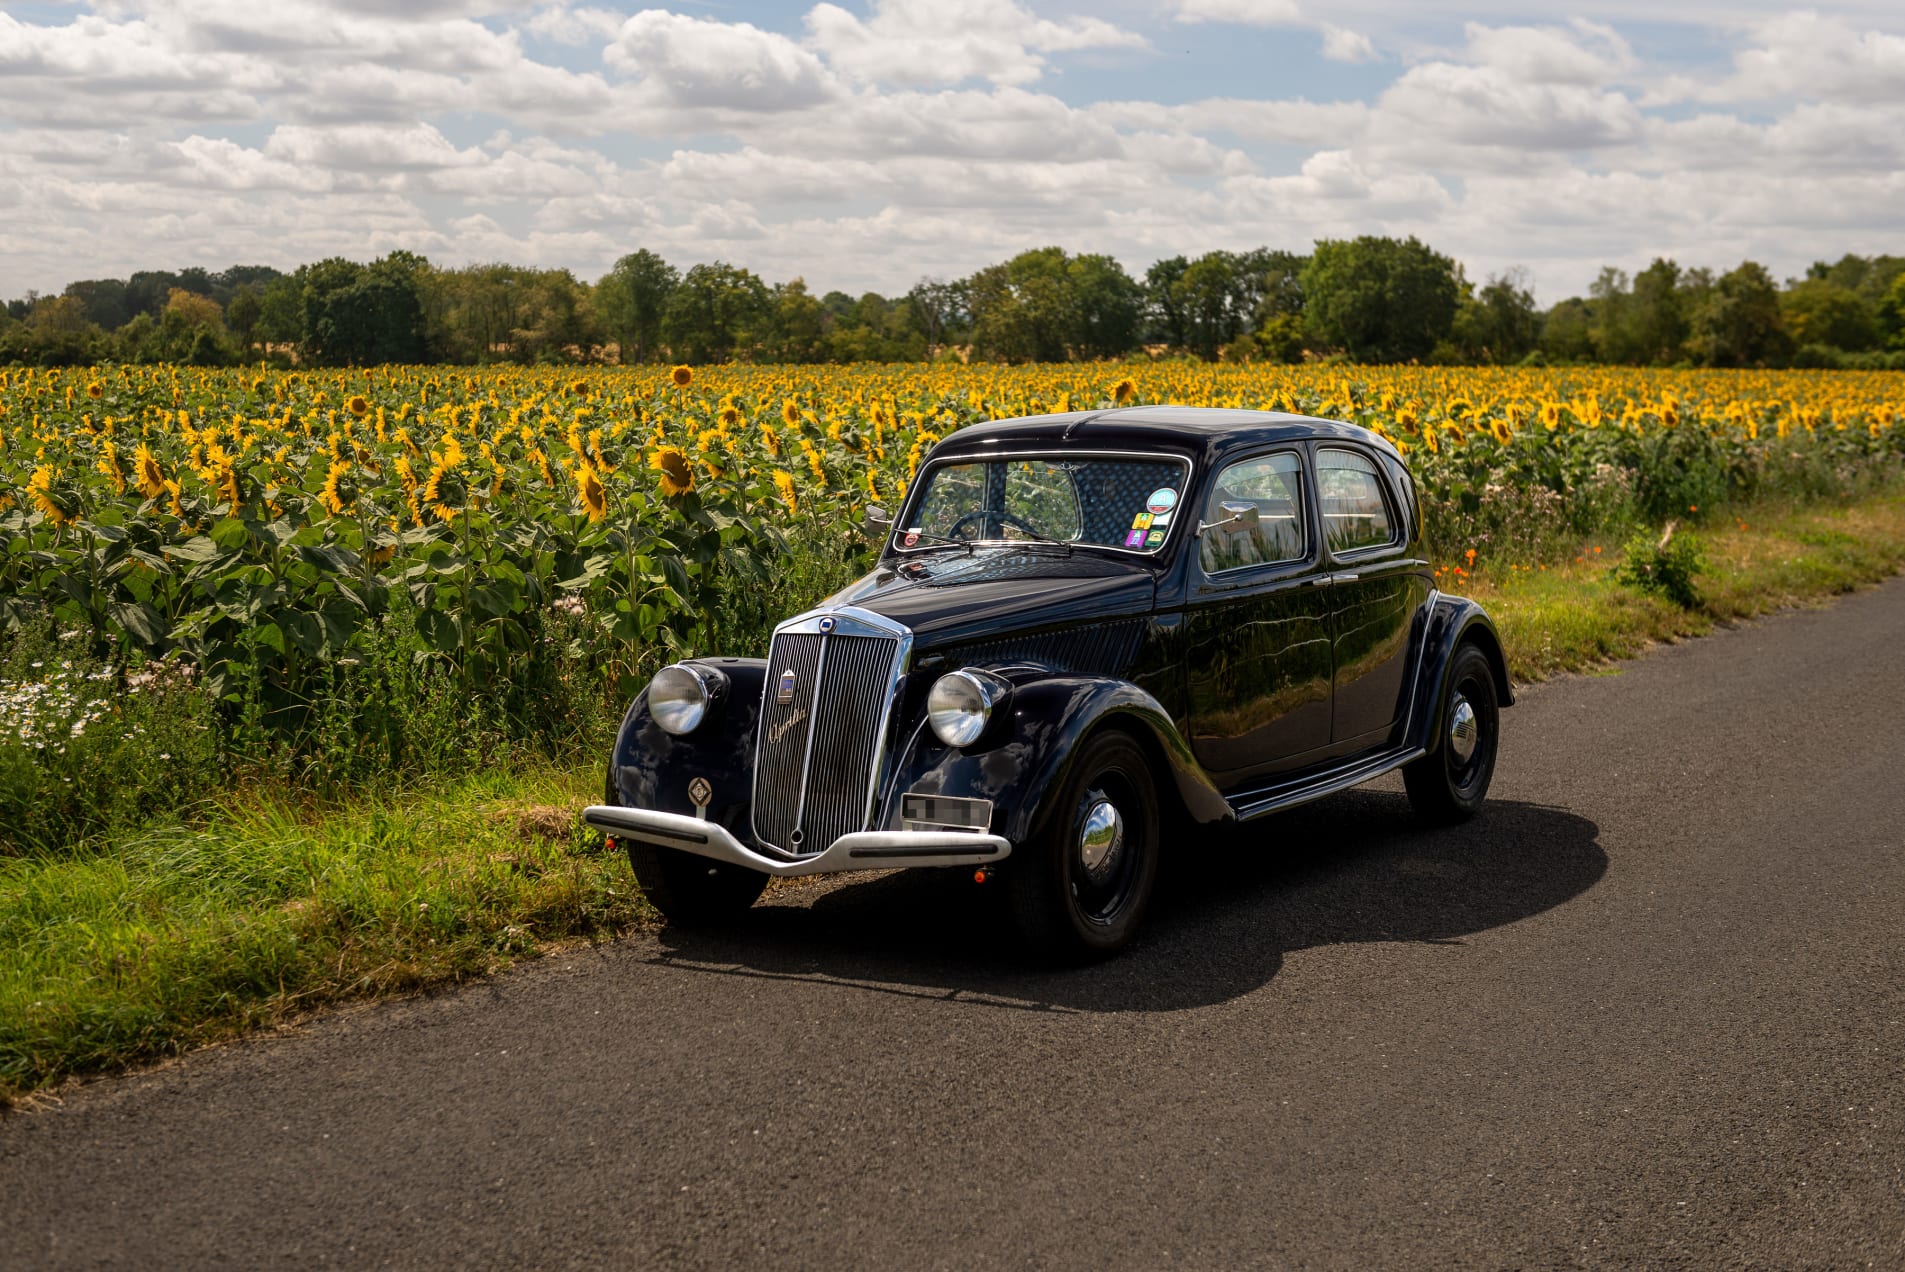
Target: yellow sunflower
(683, 376)
(338, 494)
(95, 390)
(588, 485)
(445, 491)
(1124, 391)
(357, 406)
(677, 475)
(790, 413)
(784, 482)
(40, 487)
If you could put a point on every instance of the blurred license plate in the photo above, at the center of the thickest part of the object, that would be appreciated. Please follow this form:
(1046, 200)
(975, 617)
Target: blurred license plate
(945, 812)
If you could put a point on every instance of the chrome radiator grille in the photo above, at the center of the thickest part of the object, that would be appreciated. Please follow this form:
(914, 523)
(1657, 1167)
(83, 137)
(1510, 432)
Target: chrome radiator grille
(816, 756)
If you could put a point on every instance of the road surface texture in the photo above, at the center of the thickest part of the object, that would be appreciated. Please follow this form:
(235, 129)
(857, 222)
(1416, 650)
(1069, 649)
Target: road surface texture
(1646, 1010)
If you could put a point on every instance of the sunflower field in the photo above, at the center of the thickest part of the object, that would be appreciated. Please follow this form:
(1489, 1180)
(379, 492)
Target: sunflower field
(331, 557)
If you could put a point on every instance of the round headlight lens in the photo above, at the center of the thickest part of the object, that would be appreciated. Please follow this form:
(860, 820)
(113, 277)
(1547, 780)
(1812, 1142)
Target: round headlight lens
(678, 698)
(958, 707)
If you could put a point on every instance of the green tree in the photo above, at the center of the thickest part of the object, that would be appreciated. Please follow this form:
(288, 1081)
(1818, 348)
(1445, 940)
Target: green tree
(1380, 299)
(1817, 311)
(357, 315)
(1500, 322)
(1021, 308)
(717, 311)
(1740, 323)
(1106, 304)
(1891, 314)
(1567, 331)
(798, 331)
(630, 300)
(243, 314)
(939, 311)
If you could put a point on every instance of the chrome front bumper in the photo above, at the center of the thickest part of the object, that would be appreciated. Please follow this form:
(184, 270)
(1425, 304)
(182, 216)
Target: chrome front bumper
(863, 850)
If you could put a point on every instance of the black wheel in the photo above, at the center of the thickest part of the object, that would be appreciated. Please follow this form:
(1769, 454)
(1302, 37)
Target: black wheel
(692, 890)
(1449, 784)
(1080, 888)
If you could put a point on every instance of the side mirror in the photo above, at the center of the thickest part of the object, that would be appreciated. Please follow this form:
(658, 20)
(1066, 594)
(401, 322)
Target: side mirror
(878, 519)
(1237, 516)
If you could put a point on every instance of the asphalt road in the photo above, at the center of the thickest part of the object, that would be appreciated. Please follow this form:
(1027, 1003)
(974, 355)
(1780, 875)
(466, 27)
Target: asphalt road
(1649, 1009)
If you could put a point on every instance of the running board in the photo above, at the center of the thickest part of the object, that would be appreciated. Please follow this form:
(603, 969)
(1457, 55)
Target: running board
(1302, 791)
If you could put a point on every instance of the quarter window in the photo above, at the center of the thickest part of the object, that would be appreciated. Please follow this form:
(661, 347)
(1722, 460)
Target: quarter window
(1350, 492)
(1273, 485)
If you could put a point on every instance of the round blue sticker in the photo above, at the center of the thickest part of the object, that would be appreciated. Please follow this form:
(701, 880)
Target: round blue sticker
(1162, 500)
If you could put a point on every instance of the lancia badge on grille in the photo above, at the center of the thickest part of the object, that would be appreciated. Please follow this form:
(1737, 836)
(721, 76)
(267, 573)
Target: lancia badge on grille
(700, 792)
(826, 626)
(785, 693)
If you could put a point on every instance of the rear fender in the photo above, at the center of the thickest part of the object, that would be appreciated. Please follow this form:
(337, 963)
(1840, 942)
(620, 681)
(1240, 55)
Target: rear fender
(652, 768)
(1026, 755)
(1453, 621)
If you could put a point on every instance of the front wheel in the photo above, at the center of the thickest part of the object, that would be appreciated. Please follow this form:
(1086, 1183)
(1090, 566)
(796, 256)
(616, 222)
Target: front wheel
(1449, 784)
(692, 890)
(1079, 889)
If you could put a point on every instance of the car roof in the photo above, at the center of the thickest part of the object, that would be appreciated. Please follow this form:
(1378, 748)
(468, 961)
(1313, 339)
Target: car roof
(1206, 433)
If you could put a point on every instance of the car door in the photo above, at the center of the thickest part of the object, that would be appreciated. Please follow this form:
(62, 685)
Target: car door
(1376, 588)
(1257, 628)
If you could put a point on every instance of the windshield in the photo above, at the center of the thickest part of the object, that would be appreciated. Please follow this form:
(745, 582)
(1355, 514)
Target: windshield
(1098, 502)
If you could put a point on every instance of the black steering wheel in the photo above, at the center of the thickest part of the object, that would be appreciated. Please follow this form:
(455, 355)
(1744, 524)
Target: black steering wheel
(1003, 518)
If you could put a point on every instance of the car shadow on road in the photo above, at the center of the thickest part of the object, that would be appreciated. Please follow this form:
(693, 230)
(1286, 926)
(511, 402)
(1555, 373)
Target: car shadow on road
(1354, 868)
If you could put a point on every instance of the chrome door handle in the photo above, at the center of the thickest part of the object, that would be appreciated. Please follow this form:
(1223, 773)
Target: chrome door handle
(1344, 578)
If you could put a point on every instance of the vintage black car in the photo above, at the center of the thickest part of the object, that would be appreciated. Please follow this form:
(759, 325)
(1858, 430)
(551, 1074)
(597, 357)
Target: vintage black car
(1084, 634)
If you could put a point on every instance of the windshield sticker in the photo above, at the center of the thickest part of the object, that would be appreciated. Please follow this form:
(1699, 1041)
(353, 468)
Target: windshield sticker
(1142, 521)
(1135, 539)
(1162, 499)
(912, 537)
(1156, 537)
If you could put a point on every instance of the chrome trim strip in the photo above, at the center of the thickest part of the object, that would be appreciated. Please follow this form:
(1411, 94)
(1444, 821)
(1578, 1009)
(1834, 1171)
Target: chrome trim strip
(863, 850)
(1326, 784)
(1038, 452)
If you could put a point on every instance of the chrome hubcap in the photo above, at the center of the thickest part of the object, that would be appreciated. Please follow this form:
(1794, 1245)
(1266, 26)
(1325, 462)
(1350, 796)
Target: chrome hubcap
(1099, 839)
(1463, 731)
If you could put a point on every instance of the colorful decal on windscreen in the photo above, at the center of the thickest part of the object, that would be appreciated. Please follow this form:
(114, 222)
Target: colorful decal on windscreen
(1142, 521)
(1162, 500)
(1135, 539)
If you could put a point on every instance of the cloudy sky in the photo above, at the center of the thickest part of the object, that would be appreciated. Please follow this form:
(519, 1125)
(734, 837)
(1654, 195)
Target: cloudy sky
(867, 143)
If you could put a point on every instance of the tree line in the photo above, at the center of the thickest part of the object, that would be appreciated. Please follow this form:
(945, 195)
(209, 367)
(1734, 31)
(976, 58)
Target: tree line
(1368, 299)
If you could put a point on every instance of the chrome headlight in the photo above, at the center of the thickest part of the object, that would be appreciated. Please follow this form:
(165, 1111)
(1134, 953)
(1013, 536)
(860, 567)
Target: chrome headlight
(678, 698)
(959, 706)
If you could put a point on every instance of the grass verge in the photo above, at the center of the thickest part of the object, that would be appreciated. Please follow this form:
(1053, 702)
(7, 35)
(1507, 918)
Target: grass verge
(266, 907)
(1572, 616)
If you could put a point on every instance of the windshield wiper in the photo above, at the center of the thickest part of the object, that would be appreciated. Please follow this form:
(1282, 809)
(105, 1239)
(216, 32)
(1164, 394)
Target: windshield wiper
(937, 538)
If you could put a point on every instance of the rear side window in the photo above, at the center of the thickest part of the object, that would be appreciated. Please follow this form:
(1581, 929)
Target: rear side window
(1273, 485)
(1350, 492)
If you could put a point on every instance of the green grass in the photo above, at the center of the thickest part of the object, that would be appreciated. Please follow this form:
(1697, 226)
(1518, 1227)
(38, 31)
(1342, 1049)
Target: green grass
(1574, 616)
(264, 909)
(265, 906)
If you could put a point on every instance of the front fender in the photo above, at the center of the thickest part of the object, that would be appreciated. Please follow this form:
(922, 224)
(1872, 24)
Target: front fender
(1453, 620)
(651, 768)
(1027, 755)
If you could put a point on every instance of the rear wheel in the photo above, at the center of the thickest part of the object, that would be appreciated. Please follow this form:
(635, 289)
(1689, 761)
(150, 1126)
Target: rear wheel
(1080, 888)
(691, 890)
(1449, 784)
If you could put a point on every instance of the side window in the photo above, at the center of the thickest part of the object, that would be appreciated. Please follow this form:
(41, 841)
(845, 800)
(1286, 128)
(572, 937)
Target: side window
(1405, 485)
(1350, 491)
(1273, 485)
